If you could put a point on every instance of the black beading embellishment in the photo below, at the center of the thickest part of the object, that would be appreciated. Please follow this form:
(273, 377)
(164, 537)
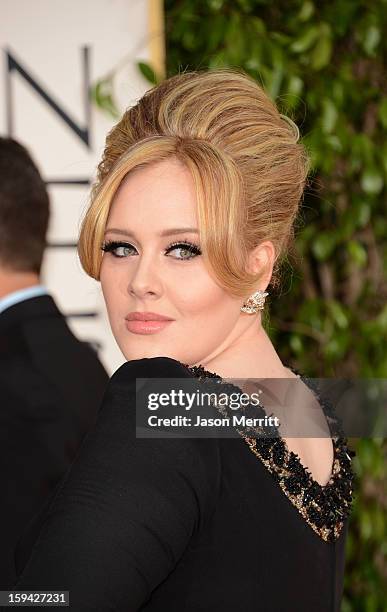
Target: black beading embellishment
(324, 507)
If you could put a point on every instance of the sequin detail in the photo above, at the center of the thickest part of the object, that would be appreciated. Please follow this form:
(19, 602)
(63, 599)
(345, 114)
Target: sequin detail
(324, 507)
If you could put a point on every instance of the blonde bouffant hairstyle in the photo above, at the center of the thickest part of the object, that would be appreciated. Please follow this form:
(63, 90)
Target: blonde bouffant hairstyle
(248, 168)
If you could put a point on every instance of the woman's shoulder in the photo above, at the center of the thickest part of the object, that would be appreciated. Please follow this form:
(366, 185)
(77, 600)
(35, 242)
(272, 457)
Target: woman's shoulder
(136, 377)
(126, 408)
(160, 366)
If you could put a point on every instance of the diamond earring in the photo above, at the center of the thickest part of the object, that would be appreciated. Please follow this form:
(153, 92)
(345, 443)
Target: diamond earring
(255, 302)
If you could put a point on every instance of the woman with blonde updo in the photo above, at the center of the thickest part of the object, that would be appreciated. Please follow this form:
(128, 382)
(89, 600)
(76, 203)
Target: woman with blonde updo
(191, 215)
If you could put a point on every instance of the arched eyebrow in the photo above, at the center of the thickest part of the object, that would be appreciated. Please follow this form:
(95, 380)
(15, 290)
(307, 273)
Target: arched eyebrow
(168, 232)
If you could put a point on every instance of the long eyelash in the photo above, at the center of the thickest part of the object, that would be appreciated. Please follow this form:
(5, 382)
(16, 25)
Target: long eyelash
(111, 245)
(193, 248)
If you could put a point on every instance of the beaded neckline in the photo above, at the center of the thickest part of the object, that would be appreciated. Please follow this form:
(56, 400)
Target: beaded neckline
(324, 507)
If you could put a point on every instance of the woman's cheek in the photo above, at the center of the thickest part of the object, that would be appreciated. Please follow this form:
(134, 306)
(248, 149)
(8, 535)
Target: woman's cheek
(115, 282)
(200, 298)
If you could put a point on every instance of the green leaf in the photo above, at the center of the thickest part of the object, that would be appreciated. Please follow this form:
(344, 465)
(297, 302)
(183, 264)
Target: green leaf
(357, 252)
(338, 313)
(277, 72)
(363, 211)
(102, 95)
(296, 343)
(291, 98)
(323, 245)
(336, 347)
(371, 39)
(372, 181)
(306, 41)
(245, 5)
(322, 53)
(215, 5)
(295, 85)
(148, 72)
(306, 11)
(382, 319)
(334, 142)
(257, 25)
(329, 116)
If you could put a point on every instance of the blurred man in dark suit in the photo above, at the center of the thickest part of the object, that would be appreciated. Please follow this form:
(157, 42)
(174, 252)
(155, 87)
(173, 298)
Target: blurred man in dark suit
(51, 384)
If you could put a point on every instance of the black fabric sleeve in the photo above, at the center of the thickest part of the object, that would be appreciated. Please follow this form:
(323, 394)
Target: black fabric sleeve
(127, 508)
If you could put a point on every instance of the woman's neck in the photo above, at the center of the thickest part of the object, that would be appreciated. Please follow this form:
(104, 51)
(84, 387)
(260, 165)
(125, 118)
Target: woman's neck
(250, 355)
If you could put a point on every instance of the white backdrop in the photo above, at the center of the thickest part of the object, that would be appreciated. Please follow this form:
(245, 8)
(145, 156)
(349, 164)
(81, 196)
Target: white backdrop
(51, 52)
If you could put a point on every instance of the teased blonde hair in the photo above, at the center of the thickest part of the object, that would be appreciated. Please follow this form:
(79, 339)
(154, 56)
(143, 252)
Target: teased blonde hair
(248, 169)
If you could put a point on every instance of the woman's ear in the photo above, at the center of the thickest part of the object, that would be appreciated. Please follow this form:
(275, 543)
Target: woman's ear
(261, 261)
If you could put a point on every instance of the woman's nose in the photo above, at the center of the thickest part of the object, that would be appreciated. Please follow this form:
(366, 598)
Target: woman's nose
(145, 278)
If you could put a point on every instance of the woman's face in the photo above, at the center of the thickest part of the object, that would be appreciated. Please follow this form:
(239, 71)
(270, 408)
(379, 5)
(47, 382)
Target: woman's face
(145, 268)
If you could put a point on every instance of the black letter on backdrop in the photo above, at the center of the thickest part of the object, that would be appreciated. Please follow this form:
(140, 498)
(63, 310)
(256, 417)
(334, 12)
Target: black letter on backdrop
(14, 65)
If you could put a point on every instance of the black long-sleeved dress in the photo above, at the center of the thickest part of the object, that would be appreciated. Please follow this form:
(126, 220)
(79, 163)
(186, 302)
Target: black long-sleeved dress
(189, 524)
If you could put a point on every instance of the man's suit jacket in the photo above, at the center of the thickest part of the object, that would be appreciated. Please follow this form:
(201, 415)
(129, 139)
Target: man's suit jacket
(51, 387)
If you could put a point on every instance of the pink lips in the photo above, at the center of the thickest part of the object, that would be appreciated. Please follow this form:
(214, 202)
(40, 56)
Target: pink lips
(146, 322)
